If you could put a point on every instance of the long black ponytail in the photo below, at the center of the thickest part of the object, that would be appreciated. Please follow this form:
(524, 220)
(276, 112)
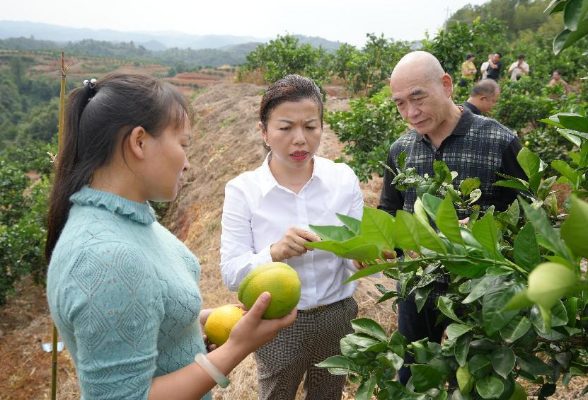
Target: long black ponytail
(96, 122)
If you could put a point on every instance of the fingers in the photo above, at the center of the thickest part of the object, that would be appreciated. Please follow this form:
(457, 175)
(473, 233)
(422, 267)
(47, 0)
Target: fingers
(260, 306)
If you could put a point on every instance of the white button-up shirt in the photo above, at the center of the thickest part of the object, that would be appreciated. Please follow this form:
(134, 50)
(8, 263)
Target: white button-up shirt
(258, 211)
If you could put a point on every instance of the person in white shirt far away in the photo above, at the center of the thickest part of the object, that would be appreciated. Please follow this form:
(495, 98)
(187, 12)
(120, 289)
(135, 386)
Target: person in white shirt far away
(266, 217)
(518, 68)
(484, 66)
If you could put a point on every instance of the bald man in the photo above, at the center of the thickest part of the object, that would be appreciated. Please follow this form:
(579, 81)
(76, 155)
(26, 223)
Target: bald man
(472, 145)
(483, 96)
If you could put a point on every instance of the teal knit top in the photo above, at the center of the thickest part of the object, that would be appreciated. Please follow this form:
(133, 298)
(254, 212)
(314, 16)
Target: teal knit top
(123, 293)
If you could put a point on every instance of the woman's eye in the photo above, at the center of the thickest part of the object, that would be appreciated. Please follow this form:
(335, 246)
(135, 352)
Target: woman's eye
(311, 127)
(285, 128)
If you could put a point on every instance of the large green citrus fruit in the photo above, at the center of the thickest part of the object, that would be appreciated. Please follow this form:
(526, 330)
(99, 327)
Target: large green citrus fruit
(220, 322)
(277, 278)
(519, 393)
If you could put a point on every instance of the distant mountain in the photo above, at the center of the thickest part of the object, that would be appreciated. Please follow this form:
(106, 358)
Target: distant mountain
(153, 41)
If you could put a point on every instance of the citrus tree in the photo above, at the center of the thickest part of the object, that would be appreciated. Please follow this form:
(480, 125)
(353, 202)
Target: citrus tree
(517, 299)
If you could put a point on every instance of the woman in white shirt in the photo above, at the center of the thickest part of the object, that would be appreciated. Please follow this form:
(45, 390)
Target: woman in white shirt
(266, 217)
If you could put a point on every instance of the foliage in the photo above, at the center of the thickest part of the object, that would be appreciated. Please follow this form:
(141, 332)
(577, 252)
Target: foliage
(575, 23)
(23, 209)
(285, 55)
(517, 294)
(368, 131)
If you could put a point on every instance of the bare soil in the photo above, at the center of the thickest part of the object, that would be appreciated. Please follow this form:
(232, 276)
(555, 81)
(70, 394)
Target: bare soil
(226, 142)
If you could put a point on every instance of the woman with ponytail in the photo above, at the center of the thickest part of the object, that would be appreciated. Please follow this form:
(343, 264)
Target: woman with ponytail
(122, 290)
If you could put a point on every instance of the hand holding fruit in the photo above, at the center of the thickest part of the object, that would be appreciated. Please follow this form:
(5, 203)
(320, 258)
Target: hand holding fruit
(292, 244)
(252, 331)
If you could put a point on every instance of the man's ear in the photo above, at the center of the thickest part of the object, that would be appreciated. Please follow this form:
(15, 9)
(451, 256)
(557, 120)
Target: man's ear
(136, 142)
(447, 84)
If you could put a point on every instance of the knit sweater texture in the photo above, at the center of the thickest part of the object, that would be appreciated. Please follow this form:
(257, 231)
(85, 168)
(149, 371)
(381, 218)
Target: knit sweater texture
(123, 293)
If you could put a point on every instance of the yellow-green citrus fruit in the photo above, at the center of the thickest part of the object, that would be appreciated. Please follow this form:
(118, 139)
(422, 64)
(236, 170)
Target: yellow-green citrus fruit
(549, 282)
(220, 322)
(527, 143)
(277, 278)
(465, 379)
(519, 393)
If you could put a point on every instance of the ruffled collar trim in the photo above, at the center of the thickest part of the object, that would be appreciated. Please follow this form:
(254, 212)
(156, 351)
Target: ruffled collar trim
(138, 212)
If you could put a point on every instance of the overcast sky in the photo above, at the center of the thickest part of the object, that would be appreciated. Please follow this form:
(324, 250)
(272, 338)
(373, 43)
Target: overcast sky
(343, 20)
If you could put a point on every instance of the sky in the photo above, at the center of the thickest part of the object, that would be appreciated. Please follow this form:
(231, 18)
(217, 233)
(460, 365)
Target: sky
(337, 20)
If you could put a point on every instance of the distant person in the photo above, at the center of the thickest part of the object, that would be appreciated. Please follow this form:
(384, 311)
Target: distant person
(556, 79)
(468, 71)
(484, 66)
(122, 290)
(266, 217)
(483, 96)
(518, 68)
(494, 67)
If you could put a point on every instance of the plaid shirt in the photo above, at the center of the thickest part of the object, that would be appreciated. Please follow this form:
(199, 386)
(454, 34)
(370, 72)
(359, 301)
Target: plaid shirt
(478, 147)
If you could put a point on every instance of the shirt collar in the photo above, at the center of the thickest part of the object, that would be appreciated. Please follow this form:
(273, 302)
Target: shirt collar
(268, 181)
(462, 127)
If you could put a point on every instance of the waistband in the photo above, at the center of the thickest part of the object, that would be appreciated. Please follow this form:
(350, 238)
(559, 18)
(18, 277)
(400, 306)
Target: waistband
(323, 307)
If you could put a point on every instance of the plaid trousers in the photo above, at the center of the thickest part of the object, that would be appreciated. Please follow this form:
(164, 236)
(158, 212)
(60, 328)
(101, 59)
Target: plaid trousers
(314, 337)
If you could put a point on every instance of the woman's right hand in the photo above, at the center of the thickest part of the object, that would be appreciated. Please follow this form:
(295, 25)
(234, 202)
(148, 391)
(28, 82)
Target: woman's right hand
(292, 244)
(252, 331)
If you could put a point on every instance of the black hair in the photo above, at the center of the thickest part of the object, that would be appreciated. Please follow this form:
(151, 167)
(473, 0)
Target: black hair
(521, 57)
(99, 120)
(289, 88)
(499, 55)
(469, 55)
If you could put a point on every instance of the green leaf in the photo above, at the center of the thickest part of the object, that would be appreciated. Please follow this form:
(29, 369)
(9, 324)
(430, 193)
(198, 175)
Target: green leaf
(493, 314)
(466, 268)
(353, 224)
(370, 270)
(377, 227)
(503, 361)
(567, 37)
(431, 204)
(339, 362)
(485, 232)
(391, 359)
(469, 184)
(574, 121)
(429, 238)
(419, 211)
(447, 222)
(454, 331)
(530, 162)
(575, 228)
(514, 213)
(461, 349)
(369, 327)
(543, 227)
(526, 249)
(489, 387)
(425, 377)
(533, 364)
(571, 305)
(518, 184)
(420, 296)
(573, 13)
(445, 305)
(545, 187)
(333, 233)
(366, 252)
(515, 329)
(442, 173)
(366, 389)
(563, 168)
(480, 289)
(479, 365)
(405, 231)
(401, 160)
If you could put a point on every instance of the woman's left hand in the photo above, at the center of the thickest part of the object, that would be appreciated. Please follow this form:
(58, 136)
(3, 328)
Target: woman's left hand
(203, 317)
